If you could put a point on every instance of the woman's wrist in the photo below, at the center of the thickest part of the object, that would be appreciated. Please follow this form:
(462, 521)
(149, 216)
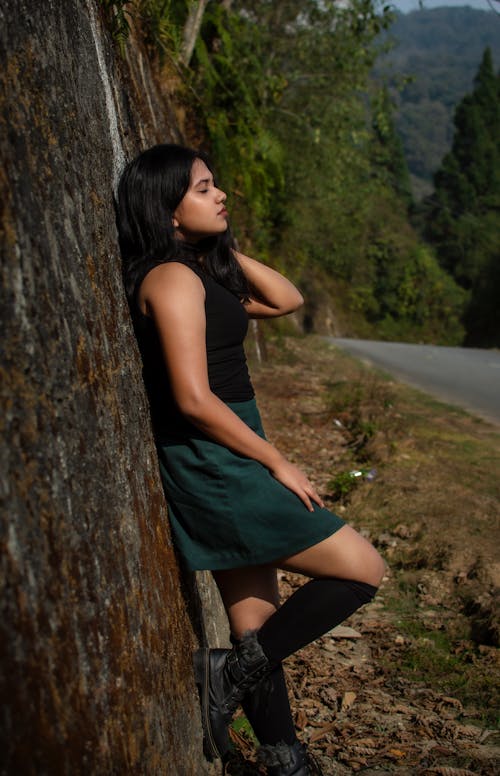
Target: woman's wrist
(274, 294)
(273, 459)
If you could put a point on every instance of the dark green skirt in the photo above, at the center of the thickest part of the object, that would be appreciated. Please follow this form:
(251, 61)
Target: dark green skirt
(228, 511)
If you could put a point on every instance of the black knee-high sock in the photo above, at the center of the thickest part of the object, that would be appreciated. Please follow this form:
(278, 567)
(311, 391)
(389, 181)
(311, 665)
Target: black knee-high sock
(267, 709)
(314, 609)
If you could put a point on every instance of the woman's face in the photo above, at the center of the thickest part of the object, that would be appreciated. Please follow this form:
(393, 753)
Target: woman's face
(201, 212)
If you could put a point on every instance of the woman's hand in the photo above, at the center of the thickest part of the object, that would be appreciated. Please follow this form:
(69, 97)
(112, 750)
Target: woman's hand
(296, 481)
(271, 294)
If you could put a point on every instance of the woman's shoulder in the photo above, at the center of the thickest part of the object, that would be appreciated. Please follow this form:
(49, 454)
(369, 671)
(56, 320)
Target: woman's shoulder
(168, 281)
(172, 272)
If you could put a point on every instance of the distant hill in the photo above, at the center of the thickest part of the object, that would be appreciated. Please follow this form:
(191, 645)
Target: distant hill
(441, 49)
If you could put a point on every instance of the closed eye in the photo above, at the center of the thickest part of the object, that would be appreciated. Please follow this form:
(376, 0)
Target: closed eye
(205, 183)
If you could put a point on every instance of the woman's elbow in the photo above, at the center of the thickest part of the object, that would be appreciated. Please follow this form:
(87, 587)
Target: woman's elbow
(295, 303)
(193, 404)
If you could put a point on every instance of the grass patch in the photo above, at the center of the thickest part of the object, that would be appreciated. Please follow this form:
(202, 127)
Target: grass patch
(452, 665)
(242, 725)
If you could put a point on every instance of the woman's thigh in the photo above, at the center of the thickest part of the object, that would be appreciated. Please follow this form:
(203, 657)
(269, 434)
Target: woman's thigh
(250, 596)
(345, 554)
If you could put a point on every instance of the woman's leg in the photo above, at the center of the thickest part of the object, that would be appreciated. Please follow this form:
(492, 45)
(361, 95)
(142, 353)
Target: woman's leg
(250, 597)
(346, 571)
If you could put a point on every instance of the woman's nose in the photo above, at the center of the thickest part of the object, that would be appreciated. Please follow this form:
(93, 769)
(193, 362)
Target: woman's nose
(221, 195)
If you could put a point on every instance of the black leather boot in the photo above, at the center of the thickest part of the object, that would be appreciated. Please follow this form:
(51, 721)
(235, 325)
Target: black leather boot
(288, 760)
(223, 677)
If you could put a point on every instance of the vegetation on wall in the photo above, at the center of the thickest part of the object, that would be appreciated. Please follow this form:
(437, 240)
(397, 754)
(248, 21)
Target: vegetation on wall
(281, 95)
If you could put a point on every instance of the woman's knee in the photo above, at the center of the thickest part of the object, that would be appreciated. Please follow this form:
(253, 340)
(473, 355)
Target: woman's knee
(248, 619)
(369, 566)
(375, 568)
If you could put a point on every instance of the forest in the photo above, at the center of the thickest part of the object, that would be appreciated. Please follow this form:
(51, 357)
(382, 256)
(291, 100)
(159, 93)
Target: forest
(432, 59)
(287, 99)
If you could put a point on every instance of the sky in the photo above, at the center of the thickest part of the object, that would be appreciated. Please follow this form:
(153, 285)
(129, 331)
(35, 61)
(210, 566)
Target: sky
(413, 5)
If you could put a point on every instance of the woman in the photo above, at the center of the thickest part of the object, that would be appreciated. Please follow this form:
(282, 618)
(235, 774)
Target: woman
(238, 507)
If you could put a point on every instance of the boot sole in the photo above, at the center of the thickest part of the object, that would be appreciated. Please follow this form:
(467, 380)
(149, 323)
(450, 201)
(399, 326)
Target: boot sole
(201, 665)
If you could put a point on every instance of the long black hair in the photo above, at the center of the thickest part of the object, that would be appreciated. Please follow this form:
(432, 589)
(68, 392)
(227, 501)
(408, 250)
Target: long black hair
(150, 189)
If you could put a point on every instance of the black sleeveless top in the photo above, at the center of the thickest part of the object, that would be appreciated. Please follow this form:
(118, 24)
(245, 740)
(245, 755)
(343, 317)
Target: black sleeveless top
(226, 328)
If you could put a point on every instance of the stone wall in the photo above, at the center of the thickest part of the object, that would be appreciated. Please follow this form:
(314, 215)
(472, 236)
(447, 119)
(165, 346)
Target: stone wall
(97, 623)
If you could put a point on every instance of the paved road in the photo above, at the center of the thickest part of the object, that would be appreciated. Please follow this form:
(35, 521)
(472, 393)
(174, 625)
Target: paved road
(468, 377)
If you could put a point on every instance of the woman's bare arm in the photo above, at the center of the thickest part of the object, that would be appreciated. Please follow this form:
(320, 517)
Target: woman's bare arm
(175, 298)
(271, 294)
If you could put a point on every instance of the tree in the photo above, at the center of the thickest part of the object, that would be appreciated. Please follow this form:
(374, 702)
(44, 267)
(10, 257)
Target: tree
(463, 214)
(95, 637)
(388, 151)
